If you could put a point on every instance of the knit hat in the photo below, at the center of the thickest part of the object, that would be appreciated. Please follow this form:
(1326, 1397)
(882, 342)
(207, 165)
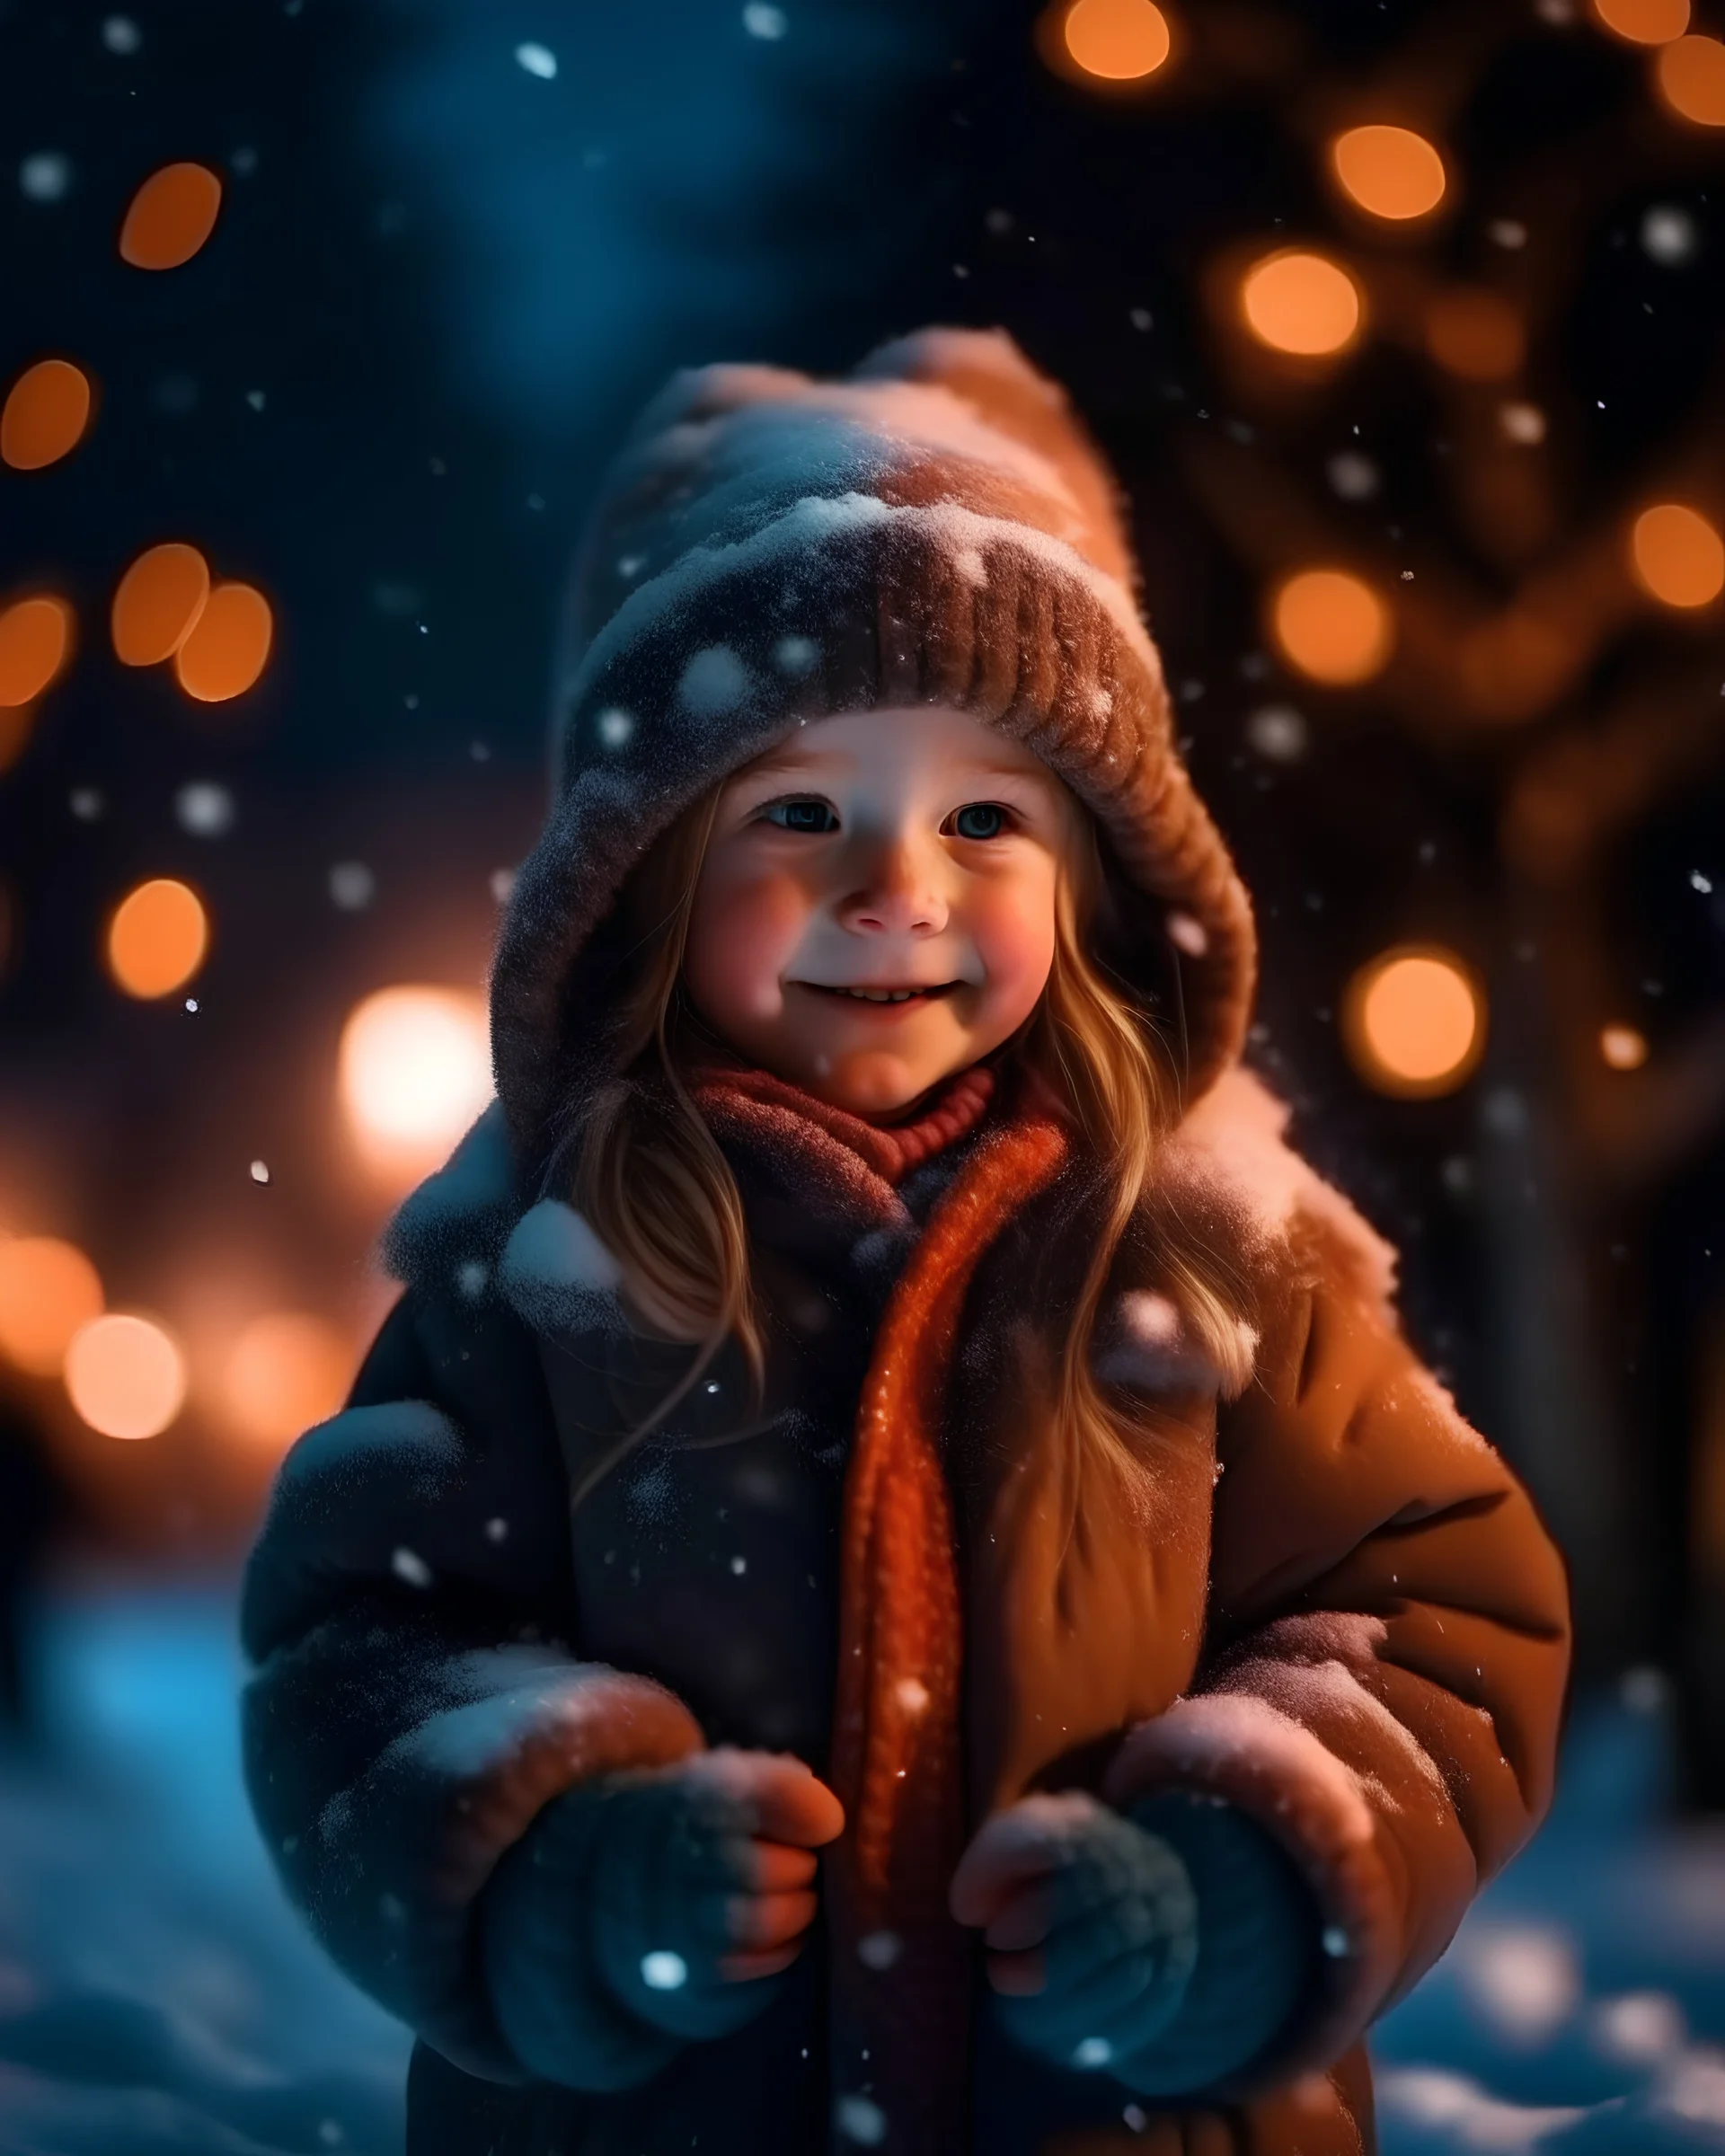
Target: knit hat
(935, 527)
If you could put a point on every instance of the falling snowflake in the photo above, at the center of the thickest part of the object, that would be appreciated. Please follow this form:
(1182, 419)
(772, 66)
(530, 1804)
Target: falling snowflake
(259, 1172)
(45, 175)
(204, 809)
(861, 2119)
(761, 20)
(663, 1971)
(1669, 234)
(121, 34)
(1353, 475)
(537, 59)
(409, 1565)
(352, 886)
(1280, 732)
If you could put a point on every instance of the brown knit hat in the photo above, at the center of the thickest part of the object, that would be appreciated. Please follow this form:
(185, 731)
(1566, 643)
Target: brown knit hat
(936, 527)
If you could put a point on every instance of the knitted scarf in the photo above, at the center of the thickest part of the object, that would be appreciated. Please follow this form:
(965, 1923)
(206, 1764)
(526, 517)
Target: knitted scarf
(903, 1969)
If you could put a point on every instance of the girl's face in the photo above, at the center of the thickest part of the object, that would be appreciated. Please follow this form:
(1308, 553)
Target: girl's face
(911, 854)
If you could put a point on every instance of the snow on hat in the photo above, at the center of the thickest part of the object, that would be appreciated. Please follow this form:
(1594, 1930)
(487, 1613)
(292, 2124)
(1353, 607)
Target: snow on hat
(936, 527)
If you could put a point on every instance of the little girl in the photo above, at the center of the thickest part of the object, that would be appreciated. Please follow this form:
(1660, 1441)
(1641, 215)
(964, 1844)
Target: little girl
(891, 1581)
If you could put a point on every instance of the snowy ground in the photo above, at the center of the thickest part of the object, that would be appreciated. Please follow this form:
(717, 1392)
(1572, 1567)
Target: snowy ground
(156, 1994)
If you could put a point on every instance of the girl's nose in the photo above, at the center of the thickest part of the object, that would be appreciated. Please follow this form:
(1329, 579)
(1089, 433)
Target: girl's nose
(898, 895)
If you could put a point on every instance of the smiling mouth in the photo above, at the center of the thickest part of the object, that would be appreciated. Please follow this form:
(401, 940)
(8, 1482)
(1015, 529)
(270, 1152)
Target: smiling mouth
(926, 994)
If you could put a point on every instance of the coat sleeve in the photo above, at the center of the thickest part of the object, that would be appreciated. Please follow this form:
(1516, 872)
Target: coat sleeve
(1387, 1643)
(413, 1698)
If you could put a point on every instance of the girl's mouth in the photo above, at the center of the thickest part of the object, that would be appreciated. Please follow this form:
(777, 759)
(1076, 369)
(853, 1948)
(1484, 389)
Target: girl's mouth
(881, 997)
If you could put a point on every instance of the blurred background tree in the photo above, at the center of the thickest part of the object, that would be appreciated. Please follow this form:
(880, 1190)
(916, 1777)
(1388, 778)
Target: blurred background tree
(1404, 326)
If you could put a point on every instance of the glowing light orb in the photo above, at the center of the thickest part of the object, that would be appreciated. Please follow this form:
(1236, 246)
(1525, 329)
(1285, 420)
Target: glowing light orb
(1644, 22)
(46, 412)
(157, 938)
(415, 1071)
(1119, 40)
(1413, 1022)
(170, 216)
(47, 1290)
(1475, 333)
(287, 1371)
(1332, 626)
(1679, 559)
(1301, 303)
(1390, 171)
(125, 1375)
(1691, 77)
(228, 646)
(35, 643)
(1622, 1047)
(158, 603)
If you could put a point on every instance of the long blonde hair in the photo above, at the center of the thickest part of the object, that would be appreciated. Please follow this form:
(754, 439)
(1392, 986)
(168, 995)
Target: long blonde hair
(657, 1191)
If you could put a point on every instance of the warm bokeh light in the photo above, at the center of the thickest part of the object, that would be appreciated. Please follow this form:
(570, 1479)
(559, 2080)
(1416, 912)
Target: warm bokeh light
(1680, 558)
(125, 1375)
(228, 647)
(47, 410)
(158, 603)
(1298, 301)
(35, 643)
(286, 1371)
(1690, 76)
(1390, 171)
(1414, 1022)
(1475, 333)
(1120, 41)
(1644, 22)
(170, 216)
(1332, 626)
(47, 1290)
(157, 938)
(415, 1070)
(1622, 1047)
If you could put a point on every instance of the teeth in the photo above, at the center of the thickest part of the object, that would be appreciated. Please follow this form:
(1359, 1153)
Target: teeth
(882, 995)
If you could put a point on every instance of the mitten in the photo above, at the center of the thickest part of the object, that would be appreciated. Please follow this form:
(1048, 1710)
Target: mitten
(1259, 1947)
(1170, 1947)
(645, 1910)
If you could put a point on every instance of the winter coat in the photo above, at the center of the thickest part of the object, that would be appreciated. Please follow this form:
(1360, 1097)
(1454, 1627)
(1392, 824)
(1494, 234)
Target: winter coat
(1325, 1599)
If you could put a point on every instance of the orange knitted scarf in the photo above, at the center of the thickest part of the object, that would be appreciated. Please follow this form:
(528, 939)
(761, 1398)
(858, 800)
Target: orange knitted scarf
(903, 1969)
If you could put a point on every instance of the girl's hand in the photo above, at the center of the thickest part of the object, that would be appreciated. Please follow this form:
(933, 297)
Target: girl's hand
(702, 1882)
(1091, 1923)
(641, 1910)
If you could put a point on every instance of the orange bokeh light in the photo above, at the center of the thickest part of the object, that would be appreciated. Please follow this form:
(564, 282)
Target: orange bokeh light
(1475, 334)
(1680, 558)
(1332, 626)
(47, 1290)
(1690, 76)
(228, 646)
(1119, 40)
(1390, 171)
(170, 216)
(125, 1375)
(158, 603)
(415, 1070)
(157, 938)
(1644, 22)
(1298, 301)
(47, 410)
(1414, 1022)
(35, 643)
(1622, 1047)
(286, 1371)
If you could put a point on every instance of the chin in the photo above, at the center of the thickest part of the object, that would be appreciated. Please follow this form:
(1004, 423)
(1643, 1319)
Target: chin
(879, 1082)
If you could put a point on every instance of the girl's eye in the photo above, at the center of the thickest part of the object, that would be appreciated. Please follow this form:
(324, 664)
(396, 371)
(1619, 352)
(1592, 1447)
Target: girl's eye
(801, 815)
(980, 819)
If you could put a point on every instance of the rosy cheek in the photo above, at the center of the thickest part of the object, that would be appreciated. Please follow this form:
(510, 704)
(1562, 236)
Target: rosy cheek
(1012, 927)
(741, 934)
